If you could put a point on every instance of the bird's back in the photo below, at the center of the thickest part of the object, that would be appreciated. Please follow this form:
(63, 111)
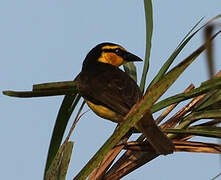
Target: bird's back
(107, 85)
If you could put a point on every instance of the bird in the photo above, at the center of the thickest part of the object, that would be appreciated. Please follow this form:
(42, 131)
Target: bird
(111, 92)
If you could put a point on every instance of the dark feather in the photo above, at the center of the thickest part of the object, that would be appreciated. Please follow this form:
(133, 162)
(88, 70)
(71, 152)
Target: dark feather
(107, 85)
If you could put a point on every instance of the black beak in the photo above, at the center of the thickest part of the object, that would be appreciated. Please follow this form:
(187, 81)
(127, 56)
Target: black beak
(129, 57)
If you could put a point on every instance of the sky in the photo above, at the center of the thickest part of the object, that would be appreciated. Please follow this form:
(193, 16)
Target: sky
(46, 41)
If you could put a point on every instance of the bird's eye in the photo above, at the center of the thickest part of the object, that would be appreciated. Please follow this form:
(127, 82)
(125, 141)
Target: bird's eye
(118, 51)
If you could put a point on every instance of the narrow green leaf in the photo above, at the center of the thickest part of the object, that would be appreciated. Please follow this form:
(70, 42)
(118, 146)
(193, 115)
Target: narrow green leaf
(46, 89)
(65, 160)
(131, 70)
(182, 44)
(210, 81)
(211, 102)
(207, 128)
(65, 111)
(170, 60)
(31, 94)
(149, 31)
(214, 132)
(191, 30)
(195, 116)
(184, 96)
(52, 172)
(54, 85)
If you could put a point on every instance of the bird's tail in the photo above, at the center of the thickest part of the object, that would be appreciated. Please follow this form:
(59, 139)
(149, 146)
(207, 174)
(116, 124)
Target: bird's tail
(160, 142)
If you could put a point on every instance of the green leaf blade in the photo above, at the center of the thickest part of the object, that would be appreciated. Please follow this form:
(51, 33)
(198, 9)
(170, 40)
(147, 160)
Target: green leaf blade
(179, 48)
(65, 160)
(131, 70)
(149, 31)
(211, 132)
(184, 96)
(65, 111)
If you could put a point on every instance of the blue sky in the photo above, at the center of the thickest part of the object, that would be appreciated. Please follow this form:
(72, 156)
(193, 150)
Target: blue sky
(46, 41)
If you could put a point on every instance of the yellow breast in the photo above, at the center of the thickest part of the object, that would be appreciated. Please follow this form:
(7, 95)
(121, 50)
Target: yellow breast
(104, 112)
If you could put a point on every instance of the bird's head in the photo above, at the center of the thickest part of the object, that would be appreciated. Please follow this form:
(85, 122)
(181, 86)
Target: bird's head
(110, 53)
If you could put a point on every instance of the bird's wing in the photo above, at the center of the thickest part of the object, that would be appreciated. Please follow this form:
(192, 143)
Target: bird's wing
(112, 88)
